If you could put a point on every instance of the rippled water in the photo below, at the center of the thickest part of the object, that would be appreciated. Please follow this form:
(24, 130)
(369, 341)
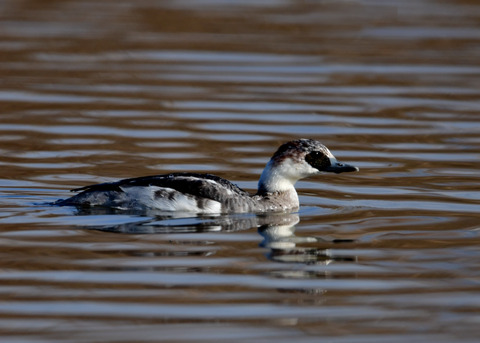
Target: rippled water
(95, 91)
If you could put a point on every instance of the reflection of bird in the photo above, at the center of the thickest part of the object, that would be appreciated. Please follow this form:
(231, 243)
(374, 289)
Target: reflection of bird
(278, 232)
(205, 193)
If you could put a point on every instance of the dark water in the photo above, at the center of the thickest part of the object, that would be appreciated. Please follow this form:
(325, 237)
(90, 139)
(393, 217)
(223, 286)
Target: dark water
(95, 91)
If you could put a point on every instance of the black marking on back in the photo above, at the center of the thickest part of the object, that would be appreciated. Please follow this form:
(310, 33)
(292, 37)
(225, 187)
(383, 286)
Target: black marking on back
(188, 183)
(165, 194)
(202, 203)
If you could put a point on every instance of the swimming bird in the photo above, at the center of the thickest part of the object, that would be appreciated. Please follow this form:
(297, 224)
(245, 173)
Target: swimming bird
(206, 193)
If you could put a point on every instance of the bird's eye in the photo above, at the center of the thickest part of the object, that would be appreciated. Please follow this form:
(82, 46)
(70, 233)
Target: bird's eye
(318, 160)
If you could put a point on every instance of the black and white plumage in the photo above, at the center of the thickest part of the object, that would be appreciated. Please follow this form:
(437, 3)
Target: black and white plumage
(205, 193)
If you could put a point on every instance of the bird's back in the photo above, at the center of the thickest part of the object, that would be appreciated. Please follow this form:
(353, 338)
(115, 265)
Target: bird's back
(192, 192)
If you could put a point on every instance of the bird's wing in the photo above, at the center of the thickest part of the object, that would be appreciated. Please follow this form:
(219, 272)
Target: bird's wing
(199, 185)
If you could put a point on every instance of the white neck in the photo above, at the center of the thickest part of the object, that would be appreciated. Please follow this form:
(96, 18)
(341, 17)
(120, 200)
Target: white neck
(276, 178)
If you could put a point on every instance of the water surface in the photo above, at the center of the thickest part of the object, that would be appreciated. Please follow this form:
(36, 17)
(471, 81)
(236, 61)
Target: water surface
(94, 92)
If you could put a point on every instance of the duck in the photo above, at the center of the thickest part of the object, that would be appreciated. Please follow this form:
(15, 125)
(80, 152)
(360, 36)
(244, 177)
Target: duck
(209, 194)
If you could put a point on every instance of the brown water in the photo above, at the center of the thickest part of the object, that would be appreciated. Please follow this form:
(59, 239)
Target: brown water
(94, 91)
